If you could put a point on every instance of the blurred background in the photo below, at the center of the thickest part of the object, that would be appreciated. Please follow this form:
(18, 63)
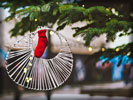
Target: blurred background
(99, 33)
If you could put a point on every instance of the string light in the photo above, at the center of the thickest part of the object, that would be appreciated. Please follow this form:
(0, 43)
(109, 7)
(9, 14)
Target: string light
(103, 49)
(57, 3)
(35, 20)
(27, 78)
(113, 10)
(51, 32)
(30, 64)
(30, 79)
(117, 49)
(83, 5)
(27, 81)
(90, 48)
(107, 9)
(30, 58)
(25, 70)
(129, 53)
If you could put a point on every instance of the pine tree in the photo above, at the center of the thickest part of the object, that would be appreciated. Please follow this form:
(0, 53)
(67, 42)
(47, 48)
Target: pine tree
(99, 19)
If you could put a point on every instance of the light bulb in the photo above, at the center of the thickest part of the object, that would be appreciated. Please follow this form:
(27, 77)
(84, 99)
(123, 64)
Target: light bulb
(35, 20)
(27, 78)
(30, 64)
(27, 81)
(30, 58)
(117, 49)
(103, 49)
(90, 49)
(30, 78)
(51, 32)
(83, 5)
(25, 70)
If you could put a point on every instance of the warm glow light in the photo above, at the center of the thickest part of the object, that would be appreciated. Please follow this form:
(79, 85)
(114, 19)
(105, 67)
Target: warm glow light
(83, 5)
(90, 49)
(129, 53)
(117, 49)
(27, 78)
(103, 49)
(57, 3)
(27, 81)
(107, 9)
(25, 70)
(35, 20)
(113, 10)
(51, 32)
(30, 58)
(30, 64)
(30, 78)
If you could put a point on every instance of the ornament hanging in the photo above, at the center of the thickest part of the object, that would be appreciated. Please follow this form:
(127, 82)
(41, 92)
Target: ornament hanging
(27, 67)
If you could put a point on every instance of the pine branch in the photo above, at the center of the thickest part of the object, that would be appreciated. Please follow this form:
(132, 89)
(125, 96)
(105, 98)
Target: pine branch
(101, 19)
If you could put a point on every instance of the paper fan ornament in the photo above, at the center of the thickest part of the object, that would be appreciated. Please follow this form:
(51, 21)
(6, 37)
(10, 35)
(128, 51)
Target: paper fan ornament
(27, 66)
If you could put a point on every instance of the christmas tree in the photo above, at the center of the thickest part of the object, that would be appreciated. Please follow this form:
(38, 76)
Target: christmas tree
(99, 18)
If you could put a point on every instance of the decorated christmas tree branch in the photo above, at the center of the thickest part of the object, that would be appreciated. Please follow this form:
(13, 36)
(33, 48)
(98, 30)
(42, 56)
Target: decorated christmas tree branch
(98, 19)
